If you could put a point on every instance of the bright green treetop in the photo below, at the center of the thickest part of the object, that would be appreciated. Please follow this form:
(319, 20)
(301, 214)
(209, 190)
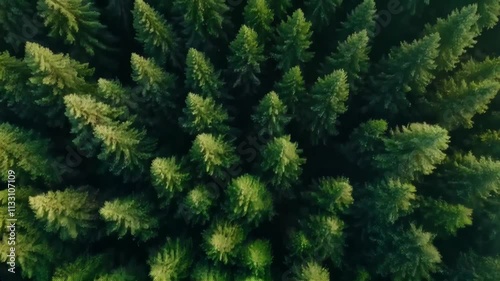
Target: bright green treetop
(201, 77)
(333, 195)
(76, 21)
(222, 241)
(292, 90)
(310, 271)
(363, 17)
(204, 115)
(259, 16)
(271, 116)
(445, 218)
(204, 272)
(489, 12)
(168, 177)
(172, 261)
(257, 257)
(212, 154)
(293, 41)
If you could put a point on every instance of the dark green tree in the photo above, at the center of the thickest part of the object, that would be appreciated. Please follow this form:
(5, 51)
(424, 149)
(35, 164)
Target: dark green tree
(197, 205)
(321, 12)
(471, 266)
(445, 218)
(271, 117)
(280, 7)
(204, 115)
(204, 272)
(259, 17)
(366, 141)
(292, 90)
(332, 195)
(83, 268)
(120, 274)
(487, 144)
(363, 17)
(489, 12)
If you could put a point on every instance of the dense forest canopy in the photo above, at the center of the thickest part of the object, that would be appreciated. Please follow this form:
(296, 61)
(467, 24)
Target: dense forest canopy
(250, 140)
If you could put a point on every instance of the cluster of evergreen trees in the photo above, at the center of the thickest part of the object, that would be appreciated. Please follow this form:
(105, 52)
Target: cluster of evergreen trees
(270, 140)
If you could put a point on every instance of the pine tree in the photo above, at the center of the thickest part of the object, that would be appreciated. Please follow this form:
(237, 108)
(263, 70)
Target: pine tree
(197, 205)
(487, 144)
(471, 266)
(363, 17)
(259, 17)
(212, 154)
(168, 177)
(366, 141)
(25, 153)
(113, 92)
(72, 212)
(332, 195)
(291, 89)
(201, 77)
(76, 21)
(281, 159)
(445, 218)
(204, 115)
(222, 241)
(247, 54)
(329, 95)
(280, 7)
(204, 272)
(407, 68)
(408, 255)
(475, 71)
(125, 149)
(83, 268)
(293, 42)
(489, 12)
(351, 56)
(413, 150)
(130, 215)
(202, 19)
(460, 101)
(257, 257)
(157, 36)
(310, 271)
(172, 261)
(271, 116)
(321, 12)
(248, 199)
(325, 233)
(457, 33)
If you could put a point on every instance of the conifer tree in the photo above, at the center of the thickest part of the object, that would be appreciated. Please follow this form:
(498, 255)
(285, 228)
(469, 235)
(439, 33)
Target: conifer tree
(204, 115)
(130, 215)
(201, 77)
(71, 213)
(125, 149)
(83, 268)
(271, 116)
(408, 68)
(321, 12)
(112, 92)
(172, 261)
(259, 17)
(332, 195)
(222, 241)
(204, 272)
(202, 19)
(351, 56)
(475, 71)
(197, 205)
(291, 89)
(445, 218)
(247, 54)
(366, 141)
(257, 257)
(487, 144)
(168, 177)
(489, 12)
(408, 255)
(280, 7)
(76, 21)
(329, 95)
(281, 159)
(471, 266)
(120, 274)
(293, 41)
(325, 233)
(457, 33)
(212, 154)
(363, 17)
(413, 150)
(248, 199)
(157, 36)
(25, 153)
(460, 101)
(310, 271)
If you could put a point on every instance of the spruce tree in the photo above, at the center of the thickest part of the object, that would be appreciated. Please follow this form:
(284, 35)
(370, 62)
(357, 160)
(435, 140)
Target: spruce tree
(329, 95)
(445, 218)
(471, 266)
(247, 54)
(112, 92)
(201, 77)
(168, 177)
(366, 141)
(332, 195)
(326, 236)
(171, 261)
(282, 160)
(259, 17)
(457, 33)
(257, 257)
(204, 115)
(25, 153)
(408, 68)
(487, 144)
(197, 205)
(75, 21)
(309, 271)
(222, 241)
(363, 17)
(412, 151)
(157, 36)
(476, 71)
(72, 212)
(321, 12)
(489, 12)
(280, 7)
(83, 268)
(204, 272)
(291, 89)
(351, 56)
(271, 116)
(293, 42)
(248, 199)
(212, 154)
(130, 215)
(125, 150)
